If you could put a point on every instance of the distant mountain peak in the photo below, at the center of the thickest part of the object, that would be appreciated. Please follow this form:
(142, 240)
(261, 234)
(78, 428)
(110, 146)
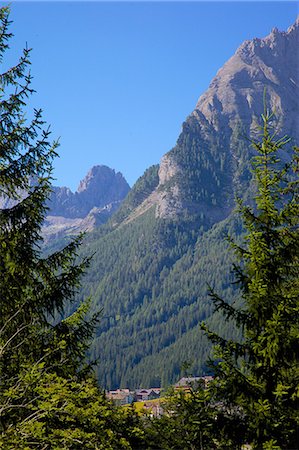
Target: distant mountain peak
(100, 187)
(99, 195)
(100, 175)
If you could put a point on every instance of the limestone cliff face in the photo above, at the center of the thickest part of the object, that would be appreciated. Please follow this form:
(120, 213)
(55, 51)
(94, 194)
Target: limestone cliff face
(271, 63)
(57, 226)
(98, 196)
(210, 162)
(168, 199)
(102, 186)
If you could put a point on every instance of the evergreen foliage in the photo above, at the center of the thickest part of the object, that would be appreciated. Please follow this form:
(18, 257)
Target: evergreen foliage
(48, 397)
(150, 277)
(150, 274)
(143, 187)
(253, 400)
(206, 164)
(192, 421)
(258, 376)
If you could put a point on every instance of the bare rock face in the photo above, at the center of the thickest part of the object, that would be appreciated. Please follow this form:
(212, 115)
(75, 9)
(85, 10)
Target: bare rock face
(99, 195)
(57, 226)
(102, 186)
(168, 198)
(168, 169)
(7, 202)
(210, 162)
(270, 64)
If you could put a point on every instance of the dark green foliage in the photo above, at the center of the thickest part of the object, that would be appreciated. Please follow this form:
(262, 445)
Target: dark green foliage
(253, 400)
(259, 375)
(48, 397)
(192, 421)
(32, 289)
(143, 187)
(150, 277)
(68, 414)
(206, 165)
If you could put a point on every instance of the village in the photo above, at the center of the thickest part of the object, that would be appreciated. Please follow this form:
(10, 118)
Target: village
(149, 399)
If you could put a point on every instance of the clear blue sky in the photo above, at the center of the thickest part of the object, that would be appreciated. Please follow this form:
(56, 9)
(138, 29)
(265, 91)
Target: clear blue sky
(116, 80)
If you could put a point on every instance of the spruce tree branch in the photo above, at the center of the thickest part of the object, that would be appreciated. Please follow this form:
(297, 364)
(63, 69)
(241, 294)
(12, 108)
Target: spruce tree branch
(241, 317)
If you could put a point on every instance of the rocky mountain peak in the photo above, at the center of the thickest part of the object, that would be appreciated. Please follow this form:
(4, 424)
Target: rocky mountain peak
(270, 64)
(208, 166)
(101, 187)
(100, 177)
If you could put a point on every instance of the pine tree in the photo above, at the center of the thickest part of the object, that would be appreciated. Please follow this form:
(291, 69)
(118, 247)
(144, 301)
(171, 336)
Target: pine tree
(33, 289)
(257, 379)
(48, 395)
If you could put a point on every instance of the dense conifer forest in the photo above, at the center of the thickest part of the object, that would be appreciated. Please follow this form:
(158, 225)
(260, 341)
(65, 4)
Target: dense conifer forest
(165, 288)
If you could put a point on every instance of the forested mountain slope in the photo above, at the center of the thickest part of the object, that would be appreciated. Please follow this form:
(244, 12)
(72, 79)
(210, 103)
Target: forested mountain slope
(156, 256)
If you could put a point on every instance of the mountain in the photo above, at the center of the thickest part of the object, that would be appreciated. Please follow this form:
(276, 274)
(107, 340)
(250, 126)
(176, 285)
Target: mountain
(98, 196)
(158, 253)
(101, 186)
(209, 164)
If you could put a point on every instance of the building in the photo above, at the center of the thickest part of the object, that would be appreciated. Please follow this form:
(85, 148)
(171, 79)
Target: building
(121, 396)
(142, 395)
